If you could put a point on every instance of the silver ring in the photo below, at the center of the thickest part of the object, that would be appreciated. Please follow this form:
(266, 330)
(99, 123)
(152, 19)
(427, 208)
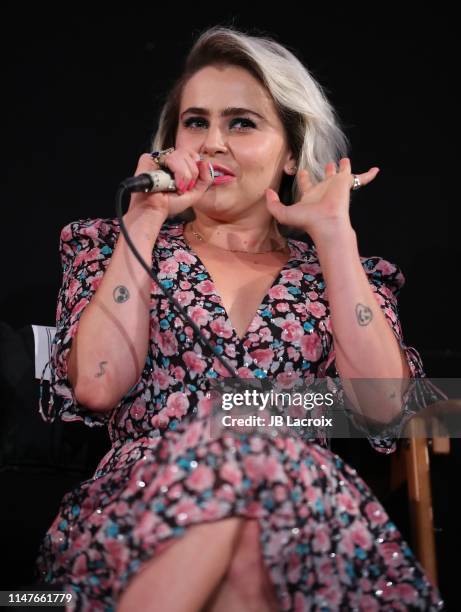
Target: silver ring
(357, 184)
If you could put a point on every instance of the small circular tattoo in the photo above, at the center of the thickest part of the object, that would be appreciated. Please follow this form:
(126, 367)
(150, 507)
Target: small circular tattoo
(121, 294)
(364, 314)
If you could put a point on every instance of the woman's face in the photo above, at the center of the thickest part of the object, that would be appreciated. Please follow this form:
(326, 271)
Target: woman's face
(250, 143)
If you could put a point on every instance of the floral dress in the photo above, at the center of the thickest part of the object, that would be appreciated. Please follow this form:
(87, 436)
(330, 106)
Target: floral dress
(326, 541)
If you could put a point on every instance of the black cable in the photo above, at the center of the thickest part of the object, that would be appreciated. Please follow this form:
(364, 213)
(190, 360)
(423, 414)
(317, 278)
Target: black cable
(119, 203)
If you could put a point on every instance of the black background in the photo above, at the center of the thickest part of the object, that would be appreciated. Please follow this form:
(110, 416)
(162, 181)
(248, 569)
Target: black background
(82, 92)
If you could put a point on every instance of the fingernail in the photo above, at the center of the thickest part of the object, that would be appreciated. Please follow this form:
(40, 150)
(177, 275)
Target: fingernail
(181, 185)
(191, 184)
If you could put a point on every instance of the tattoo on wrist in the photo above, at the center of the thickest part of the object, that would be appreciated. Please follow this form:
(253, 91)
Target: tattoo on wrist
(121, 294)
(364, 314)
(101, 370)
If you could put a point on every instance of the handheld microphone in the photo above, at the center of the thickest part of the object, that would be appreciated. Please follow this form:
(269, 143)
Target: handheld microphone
(158, 180)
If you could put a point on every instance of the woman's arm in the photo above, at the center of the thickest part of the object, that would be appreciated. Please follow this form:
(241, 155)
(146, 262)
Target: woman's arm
(110, 347)
(365, 345)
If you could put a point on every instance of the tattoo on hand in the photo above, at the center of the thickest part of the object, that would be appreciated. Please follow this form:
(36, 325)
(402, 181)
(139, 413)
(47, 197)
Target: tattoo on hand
(363, 314)
(121, 294)
(101, 372)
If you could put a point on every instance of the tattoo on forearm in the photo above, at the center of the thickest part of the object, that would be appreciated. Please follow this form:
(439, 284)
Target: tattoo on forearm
(101, 371)
(121, 294)
(363, 314)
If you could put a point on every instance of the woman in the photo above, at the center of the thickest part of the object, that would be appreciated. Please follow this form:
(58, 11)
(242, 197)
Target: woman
(174, 520)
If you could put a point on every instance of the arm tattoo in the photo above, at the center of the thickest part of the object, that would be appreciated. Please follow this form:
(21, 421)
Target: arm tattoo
(101, 372)
(363, 314)
(121, 294)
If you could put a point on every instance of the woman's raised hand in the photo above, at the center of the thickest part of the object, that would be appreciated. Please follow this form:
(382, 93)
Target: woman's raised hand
(192, 177)
(324, 207)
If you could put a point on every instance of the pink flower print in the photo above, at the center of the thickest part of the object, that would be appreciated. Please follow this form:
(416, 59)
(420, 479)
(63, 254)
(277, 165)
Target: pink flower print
(231, 472)
(311, 347)
(167, 343)
(317, 309)
(310, 268)
(294, 568)
(368, 604)
(160, 420)
(212, 510)
(145, 526)
(280, 493)
(245, 372)
(80, 567)
(332, 596)
(287, 379)
(118, 554)
(194, 363)
(256, 323)
(162, 378)
(293, 354)
(273, 470)
(205, 287)
(178, 373)
(138, 409)
(184, 297)
(321, 541)
(73, 288)
(345, 503)
(312, 295)
(182, 256)
(407, 592)
(168, 267)
(66, 233)
(280, 292)
(254, 467)
(185, 285)
(199, 315)
(376, 513)
(177, 404)
(262, 358)
(205, 406)
(193, 434)
(291, 330)
(361, 536)
(122, 508)
(265, 334)
(84, 256)
(385, 267)
(391, 553)
(292, 276)
(221, 327)
(201, 478)
(282, 307)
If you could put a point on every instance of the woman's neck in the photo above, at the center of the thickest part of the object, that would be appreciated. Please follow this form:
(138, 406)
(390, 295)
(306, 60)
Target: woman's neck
(237, 236)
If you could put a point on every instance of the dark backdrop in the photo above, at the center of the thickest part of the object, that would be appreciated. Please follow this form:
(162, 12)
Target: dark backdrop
(83, 93)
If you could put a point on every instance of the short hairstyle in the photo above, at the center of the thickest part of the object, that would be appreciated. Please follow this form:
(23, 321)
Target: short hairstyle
(312, 127)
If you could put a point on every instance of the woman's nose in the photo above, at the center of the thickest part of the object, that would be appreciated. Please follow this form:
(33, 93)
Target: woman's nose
(214, 142)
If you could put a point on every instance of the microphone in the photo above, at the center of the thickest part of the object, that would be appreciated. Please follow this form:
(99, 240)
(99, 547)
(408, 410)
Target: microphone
(158, 180)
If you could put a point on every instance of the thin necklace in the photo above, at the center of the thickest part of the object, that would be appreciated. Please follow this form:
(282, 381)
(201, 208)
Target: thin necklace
(202, 239)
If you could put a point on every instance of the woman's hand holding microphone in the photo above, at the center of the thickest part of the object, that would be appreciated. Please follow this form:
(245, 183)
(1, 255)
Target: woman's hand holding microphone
(192, 176)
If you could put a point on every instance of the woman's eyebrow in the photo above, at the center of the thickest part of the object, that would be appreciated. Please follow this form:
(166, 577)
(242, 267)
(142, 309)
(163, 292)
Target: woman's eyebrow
(227, 112)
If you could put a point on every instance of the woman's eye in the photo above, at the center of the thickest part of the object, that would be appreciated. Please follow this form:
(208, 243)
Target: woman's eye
(246, 123)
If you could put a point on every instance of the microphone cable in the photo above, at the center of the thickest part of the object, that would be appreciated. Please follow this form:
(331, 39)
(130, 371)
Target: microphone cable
(182, 312)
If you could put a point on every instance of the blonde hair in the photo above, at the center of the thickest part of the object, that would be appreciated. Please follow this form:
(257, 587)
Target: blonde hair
(312, 128)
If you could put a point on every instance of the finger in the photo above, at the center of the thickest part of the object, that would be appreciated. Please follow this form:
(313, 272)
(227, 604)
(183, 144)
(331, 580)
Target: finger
(366, 177)
(304, 180)
(330, 169)
(145, 164)
(275, 206)
(345, 164)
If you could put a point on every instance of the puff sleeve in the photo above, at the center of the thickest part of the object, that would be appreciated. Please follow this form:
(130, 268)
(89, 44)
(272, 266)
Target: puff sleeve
(386, 280)
(85, 249)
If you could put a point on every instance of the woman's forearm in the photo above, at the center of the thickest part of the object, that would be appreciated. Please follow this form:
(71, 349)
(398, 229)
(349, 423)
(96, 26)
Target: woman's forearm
(365, 345)
(110, 348)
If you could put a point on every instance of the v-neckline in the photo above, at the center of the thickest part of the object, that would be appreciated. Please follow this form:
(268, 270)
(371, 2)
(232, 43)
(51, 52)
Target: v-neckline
(263, 302)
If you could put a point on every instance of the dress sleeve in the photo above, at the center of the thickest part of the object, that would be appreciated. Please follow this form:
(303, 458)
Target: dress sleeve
(85, 249)
(386, 280)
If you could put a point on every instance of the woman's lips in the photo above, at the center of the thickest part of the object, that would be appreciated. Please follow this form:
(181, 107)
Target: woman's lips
(227, 178)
